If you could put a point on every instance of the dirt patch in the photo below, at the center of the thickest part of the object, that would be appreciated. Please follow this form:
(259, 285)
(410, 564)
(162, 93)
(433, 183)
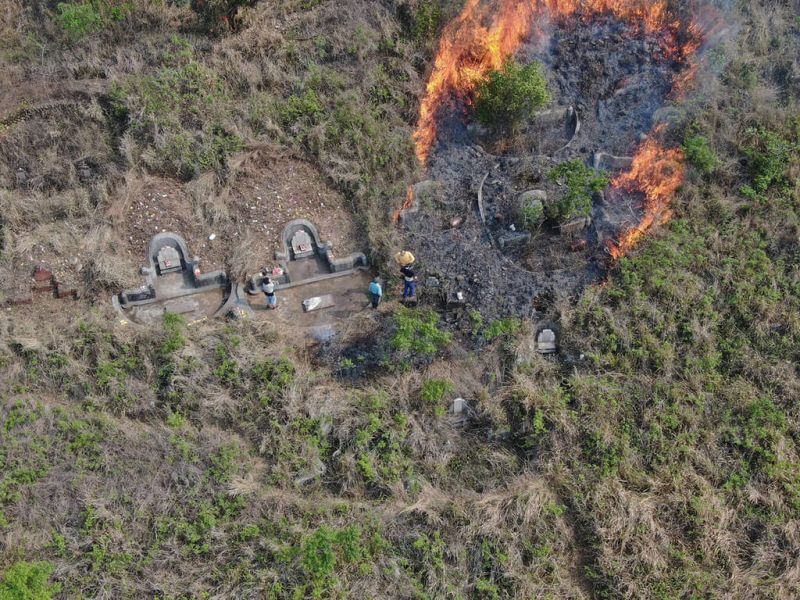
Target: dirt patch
(246, 219)
(270, 192)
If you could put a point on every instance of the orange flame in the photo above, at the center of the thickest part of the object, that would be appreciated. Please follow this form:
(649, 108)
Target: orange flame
(484, 35)
(407, 203)
(657, 173)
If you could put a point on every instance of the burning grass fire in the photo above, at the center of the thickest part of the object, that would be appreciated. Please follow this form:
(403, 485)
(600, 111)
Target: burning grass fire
(486, 33)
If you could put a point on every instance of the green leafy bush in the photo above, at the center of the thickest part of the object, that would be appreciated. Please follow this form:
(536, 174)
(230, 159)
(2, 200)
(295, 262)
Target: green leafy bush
(769, 155)
(426, 21)
(502, 327)
(418, 332)
(581, 181)
(84, 18)
(699, 154)
(510, 93)
(79, 20)
(28, 581)
(433, 390)
(531, 216)
(303, 107)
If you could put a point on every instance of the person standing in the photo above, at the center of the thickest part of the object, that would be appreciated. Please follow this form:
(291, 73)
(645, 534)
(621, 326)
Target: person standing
(269, 291)
(409, 281)
(375, 292)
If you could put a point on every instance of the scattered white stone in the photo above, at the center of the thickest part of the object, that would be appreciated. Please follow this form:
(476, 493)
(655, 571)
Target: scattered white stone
(212, 237)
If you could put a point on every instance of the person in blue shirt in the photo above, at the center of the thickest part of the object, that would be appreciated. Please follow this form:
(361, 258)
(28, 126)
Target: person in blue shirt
(375, 292)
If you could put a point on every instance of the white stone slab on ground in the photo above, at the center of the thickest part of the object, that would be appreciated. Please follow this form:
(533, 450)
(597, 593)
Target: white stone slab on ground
(318, 303)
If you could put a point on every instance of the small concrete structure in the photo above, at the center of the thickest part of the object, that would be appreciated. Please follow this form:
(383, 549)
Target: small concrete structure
(546, 342)
(574, 226)
(174, 285)
(608, 162)
(513, 238)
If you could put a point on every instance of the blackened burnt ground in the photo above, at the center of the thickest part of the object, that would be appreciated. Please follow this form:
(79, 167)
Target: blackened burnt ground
(617, 78)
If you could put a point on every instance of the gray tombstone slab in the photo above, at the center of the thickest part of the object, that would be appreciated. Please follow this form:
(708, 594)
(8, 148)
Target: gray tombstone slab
(169, 260)
(546, 341)
(302, 245)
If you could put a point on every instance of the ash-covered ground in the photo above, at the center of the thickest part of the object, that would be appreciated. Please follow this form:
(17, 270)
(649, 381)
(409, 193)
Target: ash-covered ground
(616, 78)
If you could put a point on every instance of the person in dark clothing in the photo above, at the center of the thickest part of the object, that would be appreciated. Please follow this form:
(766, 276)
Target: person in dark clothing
(269, 291)
(409, 281)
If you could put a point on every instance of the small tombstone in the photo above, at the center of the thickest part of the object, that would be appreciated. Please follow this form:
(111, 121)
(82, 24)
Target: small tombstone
(458, 406)
(84, 173)
(169, 260)
(21, 177)
(546, 341)
(253, 284)
(301, 244)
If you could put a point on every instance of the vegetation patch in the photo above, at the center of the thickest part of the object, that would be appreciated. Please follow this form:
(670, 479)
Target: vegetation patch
(511, 93)
(581, 181)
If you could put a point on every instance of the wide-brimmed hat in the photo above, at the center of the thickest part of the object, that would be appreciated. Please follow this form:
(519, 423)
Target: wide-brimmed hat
(404, 258)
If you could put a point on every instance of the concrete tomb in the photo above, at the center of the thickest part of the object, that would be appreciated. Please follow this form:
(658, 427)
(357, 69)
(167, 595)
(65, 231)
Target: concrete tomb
(174, 284)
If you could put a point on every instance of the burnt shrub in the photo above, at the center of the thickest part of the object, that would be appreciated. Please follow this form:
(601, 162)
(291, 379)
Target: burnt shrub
(510, 93)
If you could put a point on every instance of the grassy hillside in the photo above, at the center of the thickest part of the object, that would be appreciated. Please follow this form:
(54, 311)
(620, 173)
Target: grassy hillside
(656, 457)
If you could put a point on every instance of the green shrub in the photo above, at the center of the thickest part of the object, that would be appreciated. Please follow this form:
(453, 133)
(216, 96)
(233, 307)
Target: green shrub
(79, 20)
(303, 107)
(581, 181)
(426, 21)
(272, 376)
(699, 154)
(433, 390)
(28, 581)
(501, 327)
(769, 155)
(531, 216)
(418, 331)
(84, 18)
(174, 339)
(180, 113)
(511, 93)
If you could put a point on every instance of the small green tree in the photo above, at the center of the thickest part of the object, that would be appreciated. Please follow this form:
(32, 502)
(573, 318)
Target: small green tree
(28, 581)
(510, 93)
(581, 181)
(699, 154)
